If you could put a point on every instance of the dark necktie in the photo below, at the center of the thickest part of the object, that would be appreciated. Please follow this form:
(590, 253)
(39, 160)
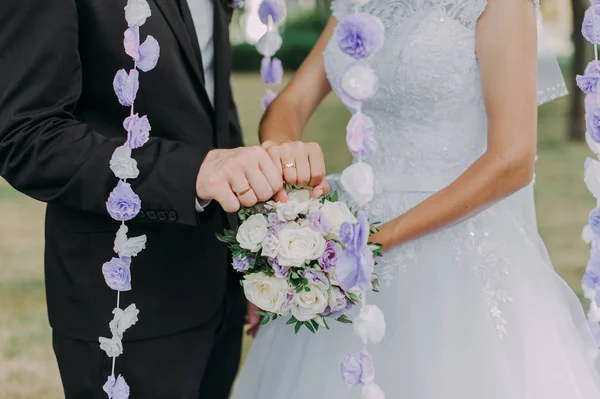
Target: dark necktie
(186, 15)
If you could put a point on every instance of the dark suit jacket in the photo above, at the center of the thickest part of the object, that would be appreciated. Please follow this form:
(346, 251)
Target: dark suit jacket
(60, 122)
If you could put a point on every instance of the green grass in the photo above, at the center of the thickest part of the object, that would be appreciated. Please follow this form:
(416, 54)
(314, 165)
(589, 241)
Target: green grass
(27, 366)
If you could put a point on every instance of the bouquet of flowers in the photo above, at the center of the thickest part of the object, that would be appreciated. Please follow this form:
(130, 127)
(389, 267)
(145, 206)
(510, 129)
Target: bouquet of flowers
(309, 259)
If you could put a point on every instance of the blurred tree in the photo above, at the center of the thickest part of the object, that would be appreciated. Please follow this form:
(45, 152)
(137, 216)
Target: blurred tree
(576, 126)
(323, 5)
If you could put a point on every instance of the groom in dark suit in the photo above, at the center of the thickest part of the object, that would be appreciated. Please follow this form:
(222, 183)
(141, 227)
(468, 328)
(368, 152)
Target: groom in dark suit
(60, 122)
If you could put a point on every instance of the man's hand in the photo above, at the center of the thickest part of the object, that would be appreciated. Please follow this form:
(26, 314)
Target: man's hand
(302, 164)
(253, 319)
(240, 177)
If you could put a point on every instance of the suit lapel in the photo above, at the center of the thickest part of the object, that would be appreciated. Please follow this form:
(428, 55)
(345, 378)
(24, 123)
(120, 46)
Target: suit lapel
(173, 17)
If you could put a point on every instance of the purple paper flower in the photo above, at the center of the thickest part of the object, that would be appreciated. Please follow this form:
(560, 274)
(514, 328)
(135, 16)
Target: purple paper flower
(123, 204)
(237, 3)
(270, 8)
(591, 25)
(592, 119)
(242, 263)
(138, 131)
(320, 223)
(595, 329)
(145, 55)
(271, 70)
(329, 258)
(358, 369)
(117, 274)
(126, 86)
(360, 35)
(360, 136)
(594, 222)
(116, 388)
(589, 82)
(280, 271)
(269, 97)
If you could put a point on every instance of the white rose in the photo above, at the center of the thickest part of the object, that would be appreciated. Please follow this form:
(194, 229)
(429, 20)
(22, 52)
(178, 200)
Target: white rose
(122, 165)
(123, 319)
(112, 346)
(136, 12)
(269, 246)
(358, 181)
(337, 213)
(307, 305)
(298, 244)
(128, 246)
(253, 232)
(369, 325)
(299, 202)
(268, 293)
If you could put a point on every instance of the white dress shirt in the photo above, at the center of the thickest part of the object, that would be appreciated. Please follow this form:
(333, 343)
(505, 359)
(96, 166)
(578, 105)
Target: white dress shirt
(203, 16)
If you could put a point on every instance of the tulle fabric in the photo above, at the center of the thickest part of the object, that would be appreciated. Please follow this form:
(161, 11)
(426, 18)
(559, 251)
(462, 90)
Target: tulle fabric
(444, 340)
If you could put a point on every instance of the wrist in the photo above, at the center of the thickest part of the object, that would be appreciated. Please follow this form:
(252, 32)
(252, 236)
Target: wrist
(202, 179)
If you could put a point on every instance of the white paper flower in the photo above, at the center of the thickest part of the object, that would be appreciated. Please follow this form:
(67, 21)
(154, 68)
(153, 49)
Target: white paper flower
(307, 305)
(122, 165)
(369, 325)
(592, 177)
(299, 244)
(129, 247)
(268, 293)
(371, 391)
(337, 213)
(299, 203)
(123, 319)
(112, 346)
(595, 147)
(253, 232)
(269, 246)
(359, 82)
(358, 181)
(587, 235)
(269, 44)
(136, 12)
(594, 313)
(588, 292)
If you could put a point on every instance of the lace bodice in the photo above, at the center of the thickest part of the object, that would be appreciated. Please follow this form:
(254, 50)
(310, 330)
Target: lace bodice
(429, 116)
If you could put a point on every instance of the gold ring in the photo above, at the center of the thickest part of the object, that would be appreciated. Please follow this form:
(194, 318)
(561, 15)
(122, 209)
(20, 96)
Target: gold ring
(244, 191)
(289, 165)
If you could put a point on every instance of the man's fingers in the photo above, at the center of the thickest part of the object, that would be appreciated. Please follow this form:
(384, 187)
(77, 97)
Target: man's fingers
(228, 200)
(259, 183)
(272, 171)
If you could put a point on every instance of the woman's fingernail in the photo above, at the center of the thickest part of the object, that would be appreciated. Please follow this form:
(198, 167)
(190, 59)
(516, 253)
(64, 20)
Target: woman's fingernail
(319, 193)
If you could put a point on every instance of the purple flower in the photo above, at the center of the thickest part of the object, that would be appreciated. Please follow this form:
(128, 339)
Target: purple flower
(355, 270)
(316, 277)
(320, 223)
(117, 274)
(275, 223)
(591, 25)
(595, 329)
(280, 271)
(329, 258)
(123, 204)
(594, 222)
(145, 55)
(269, 97)
(590, 81)
(338, 304)
(360, 136)
(358, 369)
(116, 388)
(355, 236)
(271, 70)
(126, 86)
(270, 8)
(360, 35)
(237, 3)
(138, 131)
(242, 263)
(593, 123)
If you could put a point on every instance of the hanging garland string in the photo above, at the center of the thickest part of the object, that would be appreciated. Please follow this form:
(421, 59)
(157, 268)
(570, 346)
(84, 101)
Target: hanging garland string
(123, 204)
(271, 14)
(589, 83)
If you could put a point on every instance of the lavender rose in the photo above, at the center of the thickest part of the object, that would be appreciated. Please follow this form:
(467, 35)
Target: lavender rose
(360, 35)
(117, 274)
(358, 369)
(355, 270)
(280, 271)
(242, 263)
(329, 258)
(355, 236)
(320, 223)
(123, 204)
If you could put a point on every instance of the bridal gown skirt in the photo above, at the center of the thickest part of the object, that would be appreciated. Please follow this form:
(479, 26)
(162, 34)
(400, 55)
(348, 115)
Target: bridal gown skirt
(474, 311)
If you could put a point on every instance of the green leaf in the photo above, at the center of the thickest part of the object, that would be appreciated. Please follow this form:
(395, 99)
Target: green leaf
(275, 316)
(325, 322)
(310, 327)
(298, 326)
(353, 297)
(344, 319)
(265, 321)
(376, 285)
(292, 320)
(261, 313)
(307, 289)
(315, 325)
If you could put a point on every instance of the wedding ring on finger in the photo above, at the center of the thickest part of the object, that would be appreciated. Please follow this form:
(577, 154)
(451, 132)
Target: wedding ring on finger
(244, 191)
(289, 165)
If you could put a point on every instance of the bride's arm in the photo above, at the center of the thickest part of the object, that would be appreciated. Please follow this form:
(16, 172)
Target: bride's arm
(285, 119)
(507, 53)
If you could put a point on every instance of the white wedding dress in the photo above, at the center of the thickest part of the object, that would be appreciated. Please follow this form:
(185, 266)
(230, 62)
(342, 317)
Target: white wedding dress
(475, 311)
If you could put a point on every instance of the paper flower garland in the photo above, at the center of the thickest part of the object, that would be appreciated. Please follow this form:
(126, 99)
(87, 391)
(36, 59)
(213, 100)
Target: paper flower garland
(360, 36)
(589, 84)
(270, 13)
(123, 203)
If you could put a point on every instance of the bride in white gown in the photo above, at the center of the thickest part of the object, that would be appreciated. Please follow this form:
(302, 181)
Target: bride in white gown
(474, 308)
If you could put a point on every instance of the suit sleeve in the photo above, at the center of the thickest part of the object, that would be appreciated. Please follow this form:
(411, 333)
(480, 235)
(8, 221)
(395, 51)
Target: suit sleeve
(49, 155)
